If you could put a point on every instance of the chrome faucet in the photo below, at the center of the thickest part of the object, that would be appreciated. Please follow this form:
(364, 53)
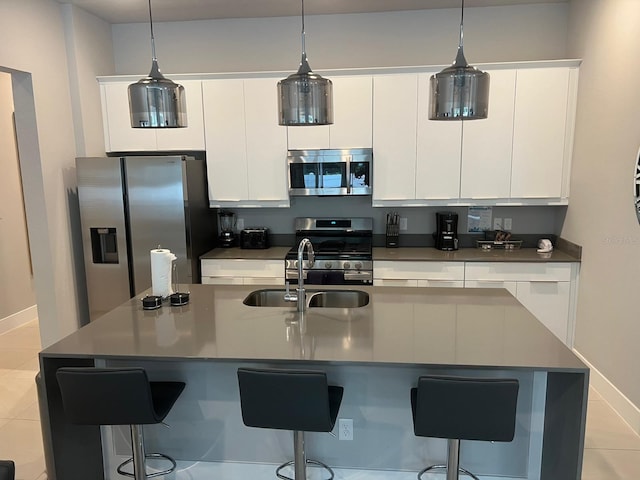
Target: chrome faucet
(300, 296)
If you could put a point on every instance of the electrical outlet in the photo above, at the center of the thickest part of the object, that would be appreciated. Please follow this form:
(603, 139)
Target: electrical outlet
(403, 223)
(345, 427)
(497, 224)
(240, 224)
(508, 224)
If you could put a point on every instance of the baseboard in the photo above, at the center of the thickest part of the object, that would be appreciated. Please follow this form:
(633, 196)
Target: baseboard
(629, 412)
(19, 318)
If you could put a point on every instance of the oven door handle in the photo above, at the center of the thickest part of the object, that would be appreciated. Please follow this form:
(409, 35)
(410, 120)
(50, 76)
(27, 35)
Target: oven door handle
(293, 274)
(358, 275)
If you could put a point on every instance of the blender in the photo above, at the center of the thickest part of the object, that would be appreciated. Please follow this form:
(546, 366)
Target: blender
(227, 236)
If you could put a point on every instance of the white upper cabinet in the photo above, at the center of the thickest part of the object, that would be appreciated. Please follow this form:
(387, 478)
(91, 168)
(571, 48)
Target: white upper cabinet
(395, 121)
(352, 111)
(246, 148)
(519, 155)
(120, 137)
(543, 132)
(487, 143)
(266, 143)
(225, 131)
(439, 147)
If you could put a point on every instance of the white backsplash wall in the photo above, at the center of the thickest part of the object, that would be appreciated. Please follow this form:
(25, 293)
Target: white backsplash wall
(534, 220)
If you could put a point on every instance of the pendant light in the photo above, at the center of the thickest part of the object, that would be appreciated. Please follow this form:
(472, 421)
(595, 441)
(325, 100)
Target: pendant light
(305, 98)
(156, 101)
(459, 92)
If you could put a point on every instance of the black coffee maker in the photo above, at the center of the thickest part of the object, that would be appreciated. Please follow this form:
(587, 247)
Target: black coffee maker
(447, 231)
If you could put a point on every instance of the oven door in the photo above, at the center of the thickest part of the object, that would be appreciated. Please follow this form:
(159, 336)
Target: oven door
(330, 277)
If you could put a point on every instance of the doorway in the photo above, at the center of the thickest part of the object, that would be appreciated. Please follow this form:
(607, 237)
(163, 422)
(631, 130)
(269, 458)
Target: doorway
(17, 296)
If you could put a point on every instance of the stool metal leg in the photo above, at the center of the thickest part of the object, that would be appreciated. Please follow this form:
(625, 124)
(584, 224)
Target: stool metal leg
(140, 456)
(452, 468)
(137, 445)
(453, 459)
(299, 456)
(300, 461)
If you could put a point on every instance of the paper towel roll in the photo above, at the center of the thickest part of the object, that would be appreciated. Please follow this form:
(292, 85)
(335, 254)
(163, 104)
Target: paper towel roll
(161, 263)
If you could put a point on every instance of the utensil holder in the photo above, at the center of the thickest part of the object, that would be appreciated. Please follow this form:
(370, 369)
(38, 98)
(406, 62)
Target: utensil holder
(392, 236)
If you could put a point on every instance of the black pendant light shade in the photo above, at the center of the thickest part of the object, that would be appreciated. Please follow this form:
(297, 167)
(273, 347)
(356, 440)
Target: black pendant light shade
(459, 92)
(156, 101)
(305, 98)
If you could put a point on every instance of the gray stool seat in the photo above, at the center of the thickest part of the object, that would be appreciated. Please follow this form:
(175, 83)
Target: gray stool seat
(463, 408)
(7, 470)
(297, 400)
(119, 396)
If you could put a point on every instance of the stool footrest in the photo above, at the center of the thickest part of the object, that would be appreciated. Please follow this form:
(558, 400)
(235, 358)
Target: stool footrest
(121, 470)
(309, 462)
(445, 468)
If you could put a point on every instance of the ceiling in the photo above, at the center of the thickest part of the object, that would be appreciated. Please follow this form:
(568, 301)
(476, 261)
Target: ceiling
(131, 11)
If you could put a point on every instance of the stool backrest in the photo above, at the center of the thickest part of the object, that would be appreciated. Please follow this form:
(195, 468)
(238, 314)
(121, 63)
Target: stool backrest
(106, 396)
(465, 408)
(288, 399)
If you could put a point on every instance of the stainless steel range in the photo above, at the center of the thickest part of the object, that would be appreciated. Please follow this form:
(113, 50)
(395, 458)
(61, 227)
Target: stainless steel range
(342, 251)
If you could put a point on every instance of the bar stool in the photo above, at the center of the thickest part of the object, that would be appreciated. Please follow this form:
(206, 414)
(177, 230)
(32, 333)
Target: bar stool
(461, 408)
(7, 470)
(298, 400)
(119, 396)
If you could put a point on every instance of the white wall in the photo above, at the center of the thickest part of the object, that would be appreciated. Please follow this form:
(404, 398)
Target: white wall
(493, 34)
(17, 293)
(601, 216)
(90, 54)
(33, 49)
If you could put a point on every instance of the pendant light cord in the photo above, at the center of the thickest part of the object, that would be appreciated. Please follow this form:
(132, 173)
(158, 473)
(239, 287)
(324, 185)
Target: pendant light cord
(461, 25)
(153, 42)
(304, 49)
(304, 63)
(460, 61)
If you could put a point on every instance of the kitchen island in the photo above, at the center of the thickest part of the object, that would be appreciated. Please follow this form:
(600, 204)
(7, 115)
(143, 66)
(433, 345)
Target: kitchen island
(376, 352)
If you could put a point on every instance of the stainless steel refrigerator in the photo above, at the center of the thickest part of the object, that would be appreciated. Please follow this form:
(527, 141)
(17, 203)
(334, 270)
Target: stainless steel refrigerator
(131, 205)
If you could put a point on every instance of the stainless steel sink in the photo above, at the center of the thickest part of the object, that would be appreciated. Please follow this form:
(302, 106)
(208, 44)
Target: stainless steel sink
(315, 298)
(338, 299)
(267, 298)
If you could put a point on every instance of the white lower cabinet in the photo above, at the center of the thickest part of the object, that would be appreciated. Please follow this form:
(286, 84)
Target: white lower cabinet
(242, 272)
(547, 290)
(418, 274)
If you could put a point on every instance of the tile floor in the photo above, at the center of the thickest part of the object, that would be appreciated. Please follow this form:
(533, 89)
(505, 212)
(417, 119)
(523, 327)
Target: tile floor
(612, 449)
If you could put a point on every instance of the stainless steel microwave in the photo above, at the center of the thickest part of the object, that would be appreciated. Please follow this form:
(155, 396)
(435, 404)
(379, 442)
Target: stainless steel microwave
(330, 172)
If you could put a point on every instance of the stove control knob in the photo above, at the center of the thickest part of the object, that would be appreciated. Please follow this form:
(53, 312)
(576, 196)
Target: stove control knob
(358, 265)
(347, 265)
(295, 264)
(327, 265)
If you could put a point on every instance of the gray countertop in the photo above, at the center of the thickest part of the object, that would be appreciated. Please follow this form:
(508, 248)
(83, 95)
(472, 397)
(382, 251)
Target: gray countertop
(235, 253)
(416, 254)
(455, 327)
(427, 254)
